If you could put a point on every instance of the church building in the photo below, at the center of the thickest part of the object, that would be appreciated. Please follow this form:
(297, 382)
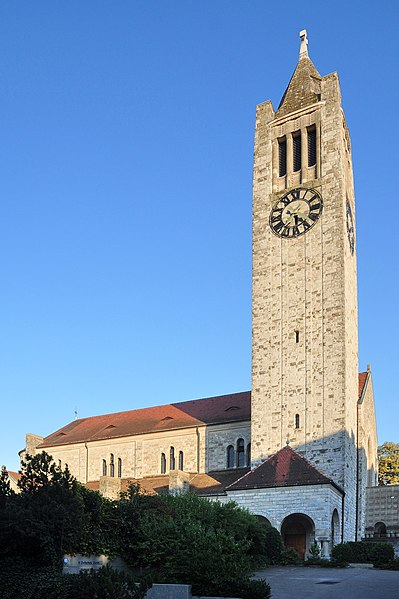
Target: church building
(300, 448)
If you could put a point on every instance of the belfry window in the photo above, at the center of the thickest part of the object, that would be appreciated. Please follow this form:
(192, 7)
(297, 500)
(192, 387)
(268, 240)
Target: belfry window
(296, 151)
(172, 461)
(104, 467)
(297, 421)
(163, 463)
(230, 457)
(111, 465)
(119, 468)
(181, 460)
(282, 157)
(311, 145)
(240, 453)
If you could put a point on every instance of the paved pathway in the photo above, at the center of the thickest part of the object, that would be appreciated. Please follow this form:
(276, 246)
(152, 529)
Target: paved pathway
(298, 582)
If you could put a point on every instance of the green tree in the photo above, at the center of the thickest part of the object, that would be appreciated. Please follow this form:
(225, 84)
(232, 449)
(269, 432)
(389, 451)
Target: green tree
(388, 463)
(188, 540)
(5, 488)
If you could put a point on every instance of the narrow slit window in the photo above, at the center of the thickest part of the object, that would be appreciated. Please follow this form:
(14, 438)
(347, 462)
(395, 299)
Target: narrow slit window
(297, 421)
(312, 146)
(119, 468)
(163, 463)
(181, 460)
(282, 157)
(104, 467)
(296, 151)
(172, 463)
(111, 465)
(296, 336)
(230, 456)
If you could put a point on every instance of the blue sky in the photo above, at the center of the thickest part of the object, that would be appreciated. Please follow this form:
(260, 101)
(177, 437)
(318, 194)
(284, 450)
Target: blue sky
(125, 223)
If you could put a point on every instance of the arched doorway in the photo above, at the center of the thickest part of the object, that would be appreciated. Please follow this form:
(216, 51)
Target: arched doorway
(380, 530)
(263, 519)
(335, 529)
(297, 531)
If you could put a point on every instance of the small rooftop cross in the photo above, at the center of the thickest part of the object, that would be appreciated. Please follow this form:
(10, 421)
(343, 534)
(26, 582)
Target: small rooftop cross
(304, 43)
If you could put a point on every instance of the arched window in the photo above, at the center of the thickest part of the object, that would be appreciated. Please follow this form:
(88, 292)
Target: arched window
(59, 464)
(181, 460)
(119, 468)
(249, 455)
(163, 463)
(111, 465)
(172, 463)
(104, 467)
(230, 457)
(297, 421)
(240, 453)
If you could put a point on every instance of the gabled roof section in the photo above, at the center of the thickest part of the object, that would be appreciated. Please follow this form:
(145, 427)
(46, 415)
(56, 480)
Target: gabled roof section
(304, 86)
(235, 407)
(363, 380)
(286, 468)
(210, 410)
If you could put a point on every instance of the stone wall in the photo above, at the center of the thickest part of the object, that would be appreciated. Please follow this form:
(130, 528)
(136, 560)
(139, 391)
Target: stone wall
(318, 502)
(306, 284)
(367, 451)
(204, 449)
(383, 507)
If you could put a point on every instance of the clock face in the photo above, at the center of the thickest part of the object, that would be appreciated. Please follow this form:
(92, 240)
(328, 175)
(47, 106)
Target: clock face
(350, 227)
(296, 212)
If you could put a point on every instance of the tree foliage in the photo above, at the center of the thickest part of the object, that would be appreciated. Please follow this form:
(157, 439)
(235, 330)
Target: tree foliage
(185, 539)
(388, 463)
(53, 515)
(175, 539)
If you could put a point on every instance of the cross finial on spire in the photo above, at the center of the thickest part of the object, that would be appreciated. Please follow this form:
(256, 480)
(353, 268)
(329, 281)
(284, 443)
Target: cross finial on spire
(304, 43)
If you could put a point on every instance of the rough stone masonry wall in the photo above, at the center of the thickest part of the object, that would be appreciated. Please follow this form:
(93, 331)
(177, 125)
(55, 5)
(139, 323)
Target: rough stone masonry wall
(204, 449)
(383, 506)
(316, 501)
(367, 451)
(219, 437)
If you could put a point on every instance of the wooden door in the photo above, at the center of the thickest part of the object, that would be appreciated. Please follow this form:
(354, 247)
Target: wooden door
(297, 542)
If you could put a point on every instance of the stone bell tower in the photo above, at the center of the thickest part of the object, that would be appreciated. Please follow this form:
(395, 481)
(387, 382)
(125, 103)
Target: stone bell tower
(305, 331)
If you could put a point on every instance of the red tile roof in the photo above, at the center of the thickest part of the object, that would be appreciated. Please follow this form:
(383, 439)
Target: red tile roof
(286, 468)
(215, 483)
(15, 475)
(212, 483)
(362, 381)
(211, 410)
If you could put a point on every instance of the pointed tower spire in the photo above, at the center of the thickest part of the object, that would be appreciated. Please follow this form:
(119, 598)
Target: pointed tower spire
(304, 86)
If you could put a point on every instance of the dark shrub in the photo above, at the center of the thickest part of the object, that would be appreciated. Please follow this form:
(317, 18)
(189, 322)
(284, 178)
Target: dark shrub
(381, 553)
(27, 581)
(255, 589)
(363, 552)
(391, 565)
(274, 545)
(289, 556)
